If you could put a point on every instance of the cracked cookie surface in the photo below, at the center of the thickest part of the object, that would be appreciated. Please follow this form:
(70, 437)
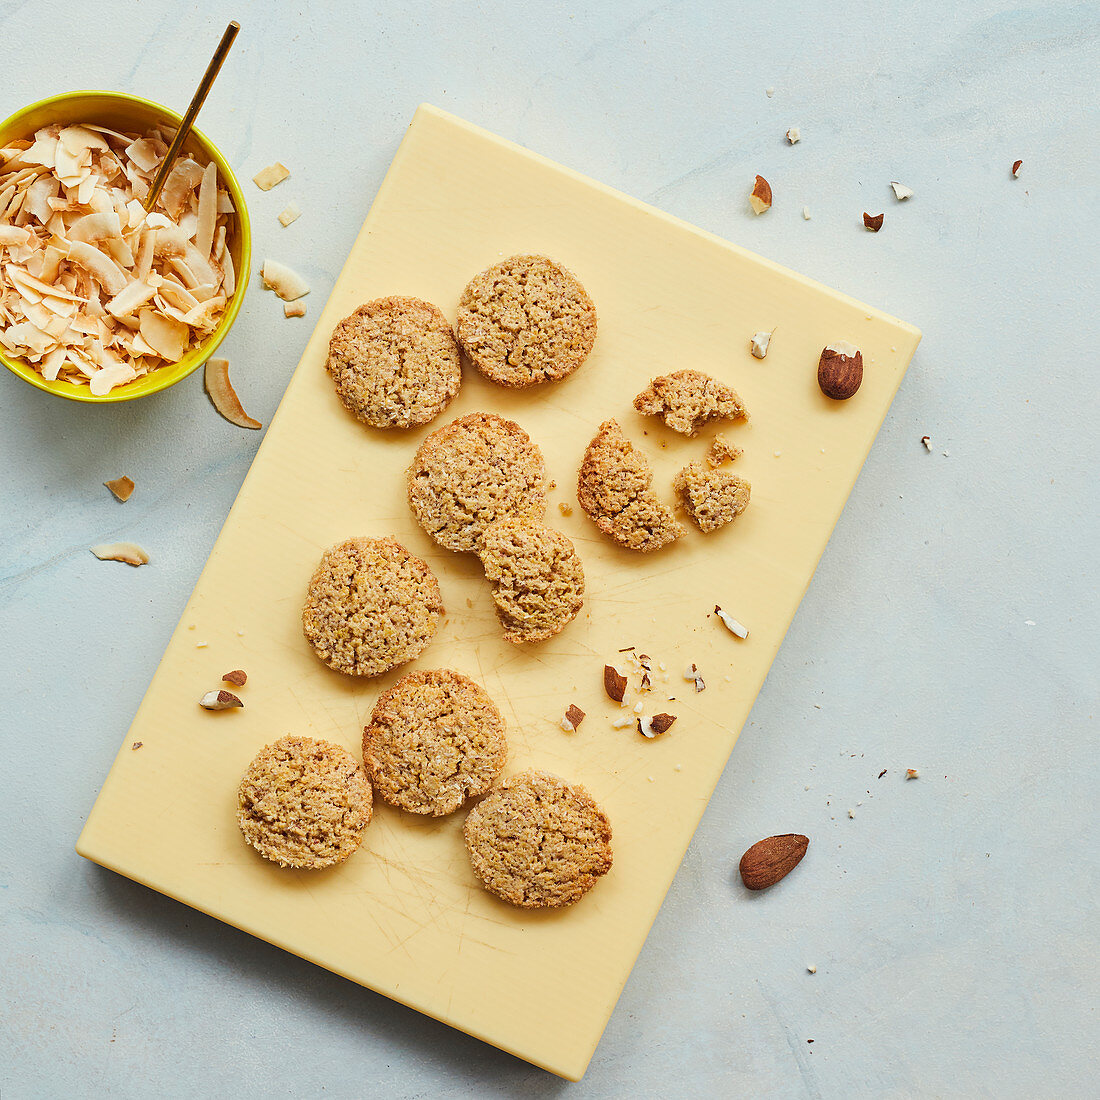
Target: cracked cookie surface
(304, 803)
(712, 498)
(434, 740)
(395, 362)
(538, 842)
(537, 578)
(613, 487)
(526, 320)
(371, 606)
(688, 399)
(472, 472)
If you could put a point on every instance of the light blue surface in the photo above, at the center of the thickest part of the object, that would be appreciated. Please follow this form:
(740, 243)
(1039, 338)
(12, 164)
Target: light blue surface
(953, 920)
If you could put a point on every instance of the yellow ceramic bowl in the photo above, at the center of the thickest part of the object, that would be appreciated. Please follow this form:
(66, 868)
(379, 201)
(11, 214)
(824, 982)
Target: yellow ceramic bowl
(130, 113)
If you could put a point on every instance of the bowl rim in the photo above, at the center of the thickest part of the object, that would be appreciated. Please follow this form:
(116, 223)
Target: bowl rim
(154, 384)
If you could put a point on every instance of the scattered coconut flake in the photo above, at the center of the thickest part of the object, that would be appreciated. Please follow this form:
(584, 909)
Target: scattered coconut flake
(623, 721)
(122, 487)
(294, 309)
(127, 552)
(812, 968)
(223, 396)
(732, 624)
(901, 192)
(267, 178)
(290, 213)
(806, 215)
(287, 284)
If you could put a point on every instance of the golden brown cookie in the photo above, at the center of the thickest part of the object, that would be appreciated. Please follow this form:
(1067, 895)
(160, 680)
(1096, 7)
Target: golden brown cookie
(613, 488)
(304, 803)
(537, 578)
(712, 498)
(526, 320)
(538, 841)
(371, 606)
(472, 472)
(395, 362)
(434, 740)
(687, 399)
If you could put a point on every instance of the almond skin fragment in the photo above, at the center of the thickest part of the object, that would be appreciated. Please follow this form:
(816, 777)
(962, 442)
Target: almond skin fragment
(238, 677)
(122, 487)
(771, 859)
(223, 396)
(614, 683)
(219, 700)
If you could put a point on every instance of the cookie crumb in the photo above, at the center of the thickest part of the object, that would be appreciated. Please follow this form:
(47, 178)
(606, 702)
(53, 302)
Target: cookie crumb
(565, 509)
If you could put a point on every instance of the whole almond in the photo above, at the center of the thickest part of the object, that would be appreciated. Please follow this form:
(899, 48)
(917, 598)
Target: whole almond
(771, 859)
(840, 371)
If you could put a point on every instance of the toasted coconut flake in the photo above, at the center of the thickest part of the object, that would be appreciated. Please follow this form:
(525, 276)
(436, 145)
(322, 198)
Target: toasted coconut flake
(182, 180)
(290, 213)
(268, 177)
(294, 309)
(102, 267)
(129, 552)
(223, 396)
(144, 154)
(129, 298)
(287, 284)
(108, 377)
(167, 335)
(122, 487)
(207, 210)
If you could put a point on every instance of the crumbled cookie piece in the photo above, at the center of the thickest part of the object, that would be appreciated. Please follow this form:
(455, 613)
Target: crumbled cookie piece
(712, 498)
(371, 606)
(526, 320)
(537, 578)
(434, 740)
(538, 841)
(722, 450)
(613, 488)
(687, 399)
(395, 362)
(304, 803)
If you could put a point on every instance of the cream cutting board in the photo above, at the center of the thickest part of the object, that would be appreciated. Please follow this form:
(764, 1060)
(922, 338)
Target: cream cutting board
(405, 915)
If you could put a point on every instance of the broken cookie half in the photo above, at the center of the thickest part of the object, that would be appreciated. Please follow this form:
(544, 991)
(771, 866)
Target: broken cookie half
(712, 498)
(614, 489)
(537, 578)
(688, 399)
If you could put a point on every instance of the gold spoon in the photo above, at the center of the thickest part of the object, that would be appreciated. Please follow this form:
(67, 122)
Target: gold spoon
(197, 101)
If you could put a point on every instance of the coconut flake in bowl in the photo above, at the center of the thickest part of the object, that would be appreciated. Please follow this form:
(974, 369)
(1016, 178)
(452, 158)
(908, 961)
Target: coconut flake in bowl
(93, 290)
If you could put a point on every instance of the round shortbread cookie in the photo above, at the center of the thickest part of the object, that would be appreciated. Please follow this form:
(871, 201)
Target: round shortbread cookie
(526, 320)
(304, 803)
(538, 841)
(613, 487)
(395, 362)
(537, 578)
(371, 606)
(471, 472)
(434, 740)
